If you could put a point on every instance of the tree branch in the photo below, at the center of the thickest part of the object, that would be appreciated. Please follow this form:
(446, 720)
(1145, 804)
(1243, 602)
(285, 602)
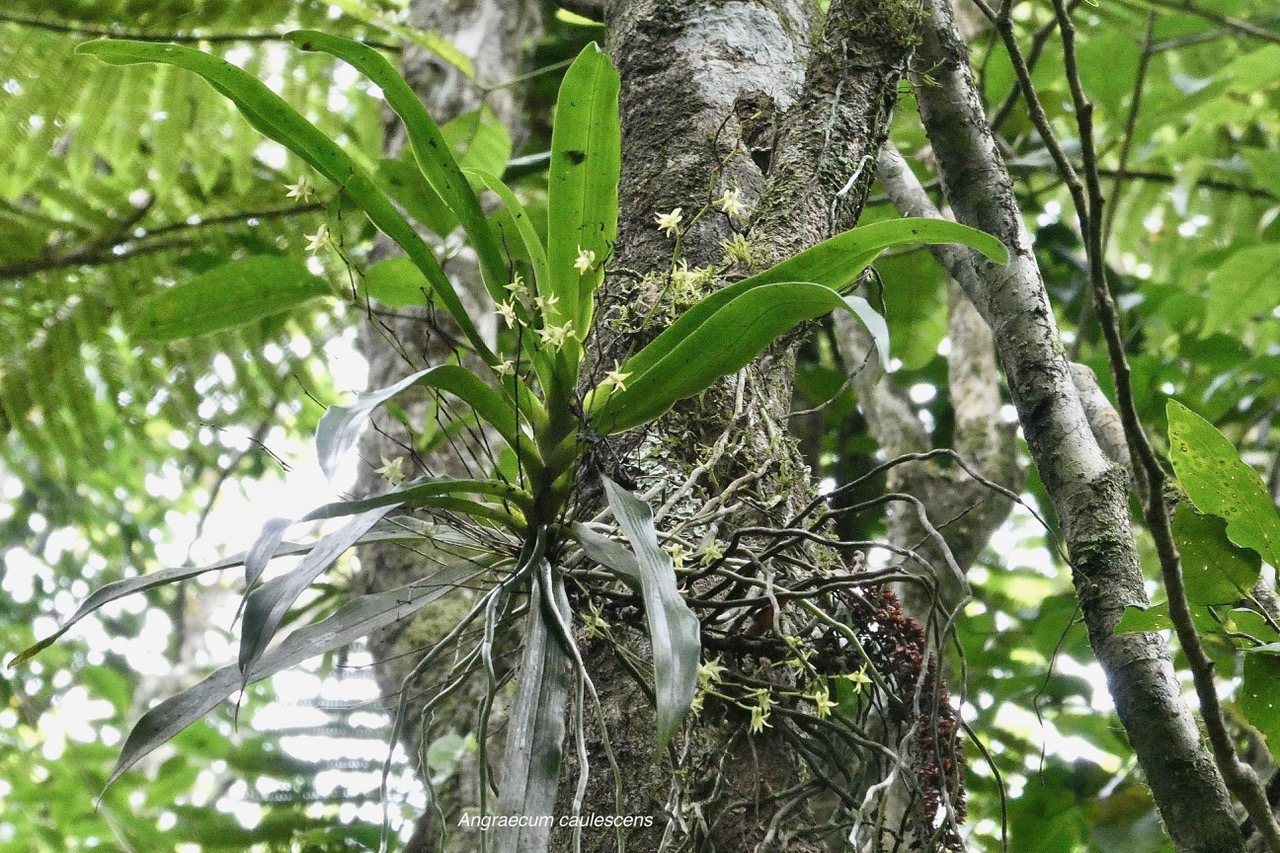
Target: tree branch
(1240, 777)
(122, 244)
(1087, 490)
(175, 38)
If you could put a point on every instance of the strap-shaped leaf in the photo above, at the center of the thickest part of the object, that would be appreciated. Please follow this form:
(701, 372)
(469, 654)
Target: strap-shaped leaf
(340, 425)
(614, 556)
(695, 356)
(836, 263)
(275, 119)
(674, 632)
(230, 295)
(535, 735)
(433, 154)
(268, 604)
(264, 549)
(582, 193)
(528, 235)
(418, 493)
(839, 261)
(355, 619)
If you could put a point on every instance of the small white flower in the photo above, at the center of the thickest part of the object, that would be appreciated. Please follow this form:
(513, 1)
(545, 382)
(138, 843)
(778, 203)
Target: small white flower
(545, 302)
(318, 239)
(586, 258)
(504, 368)
(668, 223)
(301, 190)
(392, 470)
(508, 312)
(729, 203)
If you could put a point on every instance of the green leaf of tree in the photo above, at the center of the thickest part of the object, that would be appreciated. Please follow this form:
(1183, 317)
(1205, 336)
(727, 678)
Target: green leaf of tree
(1214, 570)
(1259, 696)
(1218, 481)
(230, 295)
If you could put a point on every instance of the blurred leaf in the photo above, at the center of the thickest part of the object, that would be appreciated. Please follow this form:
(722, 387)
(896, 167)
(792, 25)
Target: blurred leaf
(1242, 288)
(230, 295)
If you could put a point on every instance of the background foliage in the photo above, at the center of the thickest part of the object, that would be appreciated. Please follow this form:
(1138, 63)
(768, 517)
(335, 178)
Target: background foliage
(124, 182)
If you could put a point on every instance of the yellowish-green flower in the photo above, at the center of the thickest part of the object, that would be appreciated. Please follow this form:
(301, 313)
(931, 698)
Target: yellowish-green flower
(617, 378)
(760, 712)
(508, 312)
(821, 697)
(545, 302)
(317, 240)
(392, 470)
(517, 287)
(301, 190)
(668, 223)
(711, 672)
(586, 258)
(555, 336)
(729, 203)
(857, 679)
(504, 368)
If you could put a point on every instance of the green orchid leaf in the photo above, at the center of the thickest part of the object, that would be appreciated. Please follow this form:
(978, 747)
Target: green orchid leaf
(535, 736)
(1219, 482)
(227, 296)
(355, 619)
(839, 261)
(528, 235)
(582, 201)
(508, 507)
(264, 549)
(835, 263)
(674, 631)
(1214, 570)
(275, 119)
(340, 426)
(433, 153)
(614, 556)
(268, 604)
(696, 352)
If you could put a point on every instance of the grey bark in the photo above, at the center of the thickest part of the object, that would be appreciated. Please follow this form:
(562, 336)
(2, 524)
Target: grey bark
(687, 71)
(1088, 491)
